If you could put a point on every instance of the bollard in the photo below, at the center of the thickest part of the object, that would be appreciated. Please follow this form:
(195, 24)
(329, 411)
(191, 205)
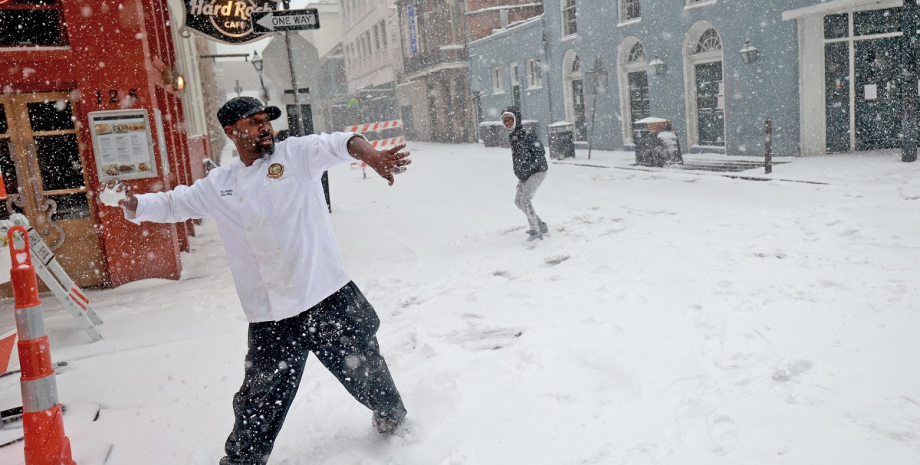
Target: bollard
(768, 149)
(42, 417)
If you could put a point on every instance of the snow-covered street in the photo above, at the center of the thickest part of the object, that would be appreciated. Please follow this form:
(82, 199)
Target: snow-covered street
(670, 317)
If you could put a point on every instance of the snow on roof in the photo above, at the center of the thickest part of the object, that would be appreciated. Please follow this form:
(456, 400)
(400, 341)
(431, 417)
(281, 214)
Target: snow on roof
(652, 119)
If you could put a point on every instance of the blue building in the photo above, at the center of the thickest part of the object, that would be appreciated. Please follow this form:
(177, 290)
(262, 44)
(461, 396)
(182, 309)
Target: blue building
(824, 72)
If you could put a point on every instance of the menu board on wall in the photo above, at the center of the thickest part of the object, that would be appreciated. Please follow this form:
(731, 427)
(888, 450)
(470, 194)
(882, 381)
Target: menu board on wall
(122, 144)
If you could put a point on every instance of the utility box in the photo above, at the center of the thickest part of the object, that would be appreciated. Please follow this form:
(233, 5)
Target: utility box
(561, 140)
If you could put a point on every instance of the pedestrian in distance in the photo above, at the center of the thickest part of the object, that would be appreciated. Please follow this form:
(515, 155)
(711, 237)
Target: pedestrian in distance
(277, 234)
(529, 160)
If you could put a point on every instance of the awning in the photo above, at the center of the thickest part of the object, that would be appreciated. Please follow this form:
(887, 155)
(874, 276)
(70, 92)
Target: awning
(835, 6)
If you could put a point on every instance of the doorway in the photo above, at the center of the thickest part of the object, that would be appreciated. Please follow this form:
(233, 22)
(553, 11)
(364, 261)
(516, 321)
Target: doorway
(578, 99)
(42, 171)
(709, 104)
(878, 100)
(639, 107)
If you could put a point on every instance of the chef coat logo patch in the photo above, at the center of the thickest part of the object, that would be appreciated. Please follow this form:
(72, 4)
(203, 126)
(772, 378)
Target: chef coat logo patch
(275, 170)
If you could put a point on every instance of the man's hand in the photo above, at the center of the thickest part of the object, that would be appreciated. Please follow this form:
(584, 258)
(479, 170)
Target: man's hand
(130, 201)
(385, 162)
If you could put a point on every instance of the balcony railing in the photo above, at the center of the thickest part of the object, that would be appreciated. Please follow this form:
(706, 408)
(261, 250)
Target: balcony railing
(451, 53)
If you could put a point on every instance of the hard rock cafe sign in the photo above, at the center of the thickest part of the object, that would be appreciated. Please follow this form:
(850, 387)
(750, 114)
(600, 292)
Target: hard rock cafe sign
(227, 21)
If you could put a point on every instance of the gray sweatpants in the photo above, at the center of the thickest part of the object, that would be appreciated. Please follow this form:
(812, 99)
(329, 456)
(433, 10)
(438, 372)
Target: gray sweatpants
(523, 200)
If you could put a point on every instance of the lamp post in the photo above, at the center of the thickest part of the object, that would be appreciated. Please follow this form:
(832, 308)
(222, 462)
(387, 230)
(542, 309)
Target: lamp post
(259, 65)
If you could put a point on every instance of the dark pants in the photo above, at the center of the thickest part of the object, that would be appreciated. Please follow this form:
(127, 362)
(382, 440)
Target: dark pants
(340, 330)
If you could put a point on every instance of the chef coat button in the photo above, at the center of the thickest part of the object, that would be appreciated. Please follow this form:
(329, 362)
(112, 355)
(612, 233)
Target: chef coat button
(259, 193)
(241, 171)
(265, 223)
(268, 284)
(278, 251)
(248, 228)
(240, 199)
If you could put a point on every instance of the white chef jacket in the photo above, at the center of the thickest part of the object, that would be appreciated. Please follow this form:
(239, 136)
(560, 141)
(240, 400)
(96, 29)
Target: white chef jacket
(276, 228)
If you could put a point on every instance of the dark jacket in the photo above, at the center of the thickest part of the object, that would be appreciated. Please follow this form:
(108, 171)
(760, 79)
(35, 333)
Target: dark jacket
(527, 153)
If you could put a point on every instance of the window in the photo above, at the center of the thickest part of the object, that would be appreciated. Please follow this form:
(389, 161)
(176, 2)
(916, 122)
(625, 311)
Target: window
(568, 18)
(376, 37)
(498, 82)
(515, 79)
(25, 23)
(383, 32)
(709, 42)
(629, 10)
(367, 38)
(534, 73)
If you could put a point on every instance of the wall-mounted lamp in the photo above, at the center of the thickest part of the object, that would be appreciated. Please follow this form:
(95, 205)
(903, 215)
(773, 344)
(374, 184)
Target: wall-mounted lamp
(748, 52)
(657, 67)
(171, 77)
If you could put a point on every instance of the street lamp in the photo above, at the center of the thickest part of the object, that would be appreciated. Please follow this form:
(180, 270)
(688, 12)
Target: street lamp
(259, 65)
(656, 66)
(748, 52)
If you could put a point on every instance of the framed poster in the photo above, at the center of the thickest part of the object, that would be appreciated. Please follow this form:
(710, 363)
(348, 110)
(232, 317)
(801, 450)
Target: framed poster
(122, 144)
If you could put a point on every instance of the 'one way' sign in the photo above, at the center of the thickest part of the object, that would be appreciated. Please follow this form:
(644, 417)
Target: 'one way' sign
(287, 20)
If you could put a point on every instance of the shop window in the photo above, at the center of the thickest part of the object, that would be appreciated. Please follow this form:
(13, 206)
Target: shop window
(836, 26)
(568, 18)
(25, 23)
(629, 10)
(873, 22)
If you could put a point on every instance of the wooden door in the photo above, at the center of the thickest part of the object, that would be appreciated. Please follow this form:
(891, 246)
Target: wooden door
(42, 166)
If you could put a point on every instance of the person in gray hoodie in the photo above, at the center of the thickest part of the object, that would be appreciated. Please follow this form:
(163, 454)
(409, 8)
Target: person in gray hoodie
(529, 161)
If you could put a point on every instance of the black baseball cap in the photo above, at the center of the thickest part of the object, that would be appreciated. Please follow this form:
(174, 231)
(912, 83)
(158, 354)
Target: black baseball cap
(244, 107)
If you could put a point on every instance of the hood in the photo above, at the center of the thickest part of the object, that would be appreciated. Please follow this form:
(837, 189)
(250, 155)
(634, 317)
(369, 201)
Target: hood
(514, 111)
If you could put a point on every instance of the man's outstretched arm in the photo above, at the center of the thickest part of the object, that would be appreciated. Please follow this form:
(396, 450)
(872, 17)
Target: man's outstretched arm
(385, 162)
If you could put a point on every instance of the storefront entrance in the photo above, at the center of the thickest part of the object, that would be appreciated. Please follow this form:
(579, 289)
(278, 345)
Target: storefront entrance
(862, 57)
(43, 174)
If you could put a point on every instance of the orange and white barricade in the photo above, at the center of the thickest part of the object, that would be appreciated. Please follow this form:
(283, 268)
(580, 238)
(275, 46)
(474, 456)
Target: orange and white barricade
(378, 126)
(379, 144)
(42, 416)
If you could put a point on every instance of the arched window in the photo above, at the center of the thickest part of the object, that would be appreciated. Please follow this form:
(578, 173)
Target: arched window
(709, 42)
(636, 53)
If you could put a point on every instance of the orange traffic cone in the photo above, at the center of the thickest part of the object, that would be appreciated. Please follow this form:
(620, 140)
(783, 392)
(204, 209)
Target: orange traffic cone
(42, 418)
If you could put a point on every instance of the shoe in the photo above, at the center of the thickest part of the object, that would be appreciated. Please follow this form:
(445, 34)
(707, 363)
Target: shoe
(227, 461)
(386, 424)
(534, 236)
(544, 228)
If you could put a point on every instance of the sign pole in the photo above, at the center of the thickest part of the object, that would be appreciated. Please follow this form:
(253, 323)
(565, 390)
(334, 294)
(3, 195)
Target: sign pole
(298, 119)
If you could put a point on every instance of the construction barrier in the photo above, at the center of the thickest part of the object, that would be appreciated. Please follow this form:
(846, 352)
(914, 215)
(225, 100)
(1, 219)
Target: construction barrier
(378, 126)
(42, 416)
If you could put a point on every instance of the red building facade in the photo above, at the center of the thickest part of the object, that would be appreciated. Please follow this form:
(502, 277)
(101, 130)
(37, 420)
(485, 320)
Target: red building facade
(60, 61)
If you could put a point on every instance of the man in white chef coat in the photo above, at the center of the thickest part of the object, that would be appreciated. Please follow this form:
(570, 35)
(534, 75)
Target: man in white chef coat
(277, 234)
